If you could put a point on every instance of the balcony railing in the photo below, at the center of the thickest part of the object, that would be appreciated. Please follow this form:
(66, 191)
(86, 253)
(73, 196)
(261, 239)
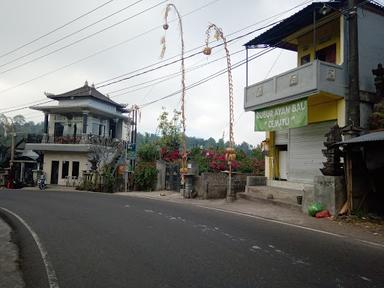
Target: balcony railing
(83, 139)
(300, 82)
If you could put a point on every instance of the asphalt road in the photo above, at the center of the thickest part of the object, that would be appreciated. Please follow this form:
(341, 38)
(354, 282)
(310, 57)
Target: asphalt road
(101, 240)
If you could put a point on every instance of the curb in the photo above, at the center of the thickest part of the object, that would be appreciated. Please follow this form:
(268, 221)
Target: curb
(10, 270)
(249, 197)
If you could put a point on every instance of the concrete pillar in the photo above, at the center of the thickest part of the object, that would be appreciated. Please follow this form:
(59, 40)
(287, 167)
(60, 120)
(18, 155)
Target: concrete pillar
(85, 125)
(22, 169)
(45, 132)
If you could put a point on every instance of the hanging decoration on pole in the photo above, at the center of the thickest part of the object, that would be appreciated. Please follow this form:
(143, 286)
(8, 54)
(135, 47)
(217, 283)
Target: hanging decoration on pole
(230, 154)
(183, 169)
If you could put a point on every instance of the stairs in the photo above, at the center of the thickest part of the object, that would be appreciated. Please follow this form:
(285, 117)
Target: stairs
(274, 195)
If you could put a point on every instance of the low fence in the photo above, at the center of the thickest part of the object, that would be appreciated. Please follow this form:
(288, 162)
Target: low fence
(214, 185)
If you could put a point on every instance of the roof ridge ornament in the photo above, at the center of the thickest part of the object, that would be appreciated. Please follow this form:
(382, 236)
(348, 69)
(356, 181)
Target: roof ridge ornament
(86, 83)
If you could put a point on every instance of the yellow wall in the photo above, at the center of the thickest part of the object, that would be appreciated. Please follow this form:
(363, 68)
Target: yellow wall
(269, 167)
(321, 107)
(326, 35)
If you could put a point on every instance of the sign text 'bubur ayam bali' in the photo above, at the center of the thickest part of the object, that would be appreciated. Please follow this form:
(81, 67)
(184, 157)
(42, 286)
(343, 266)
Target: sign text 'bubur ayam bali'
(289, 115)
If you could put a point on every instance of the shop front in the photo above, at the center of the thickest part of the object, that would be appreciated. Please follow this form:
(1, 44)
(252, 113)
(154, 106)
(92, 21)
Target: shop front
(294, 137)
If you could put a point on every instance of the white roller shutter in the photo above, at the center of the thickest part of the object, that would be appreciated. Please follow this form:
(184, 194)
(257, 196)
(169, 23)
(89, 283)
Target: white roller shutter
(305, 156)
(281, 137)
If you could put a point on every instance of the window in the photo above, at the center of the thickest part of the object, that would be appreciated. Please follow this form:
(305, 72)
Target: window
(59, 129)
(95, 128)
(327, 54)
(64, 172)
(75, 169)
(305, 59)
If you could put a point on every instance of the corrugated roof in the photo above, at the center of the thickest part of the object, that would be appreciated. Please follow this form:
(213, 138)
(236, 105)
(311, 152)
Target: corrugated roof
(303, 18)
(371, 137)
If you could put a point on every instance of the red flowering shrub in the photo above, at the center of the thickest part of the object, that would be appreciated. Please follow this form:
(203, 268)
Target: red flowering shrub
(169, 155)
(217, 162)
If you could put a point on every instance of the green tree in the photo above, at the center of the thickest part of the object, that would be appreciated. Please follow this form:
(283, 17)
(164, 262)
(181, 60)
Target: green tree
(170, 130)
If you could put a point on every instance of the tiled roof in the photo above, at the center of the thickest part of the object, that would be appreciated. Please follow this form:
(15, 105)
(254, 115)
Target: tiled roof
(85, 91)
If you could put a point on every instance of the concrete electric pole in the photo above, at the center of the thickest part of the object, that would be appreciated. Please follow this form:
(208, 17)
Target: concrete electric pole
(353, 100)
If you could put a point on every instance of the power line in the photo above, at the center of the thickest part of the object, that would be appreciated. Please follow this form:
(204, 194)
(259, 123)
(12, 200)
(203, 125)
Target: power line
(177, 60)
(101, 51)
(70, 34)
(210, 77)
(82, 39)
(234, 39)
(164, 78)
(100, 84)
(54, 30)
(24, 107)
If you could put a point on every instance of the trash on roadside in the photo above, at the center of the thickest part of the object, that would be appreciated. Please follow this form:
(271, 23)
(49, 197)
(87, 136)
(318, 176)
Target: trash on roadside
(315, 208)
(323, 214)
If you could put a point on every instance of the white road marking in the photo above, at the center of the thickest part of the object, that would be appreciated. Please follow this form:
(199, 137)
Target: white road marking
(365, 278)
(274, 221)
(51, 274)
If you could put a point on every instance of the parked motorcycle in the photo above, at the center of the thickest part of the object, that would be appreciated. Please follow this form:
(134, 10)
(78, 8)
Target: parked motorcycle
(42, 183)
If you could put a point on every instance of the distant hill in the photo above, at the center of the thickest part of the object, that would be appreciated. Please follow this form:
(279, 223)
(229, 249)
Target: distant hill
(193, 142)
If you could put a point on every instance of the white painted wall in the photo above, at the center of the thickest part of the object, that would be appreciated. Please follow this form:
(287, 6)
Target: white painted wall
(61, 157)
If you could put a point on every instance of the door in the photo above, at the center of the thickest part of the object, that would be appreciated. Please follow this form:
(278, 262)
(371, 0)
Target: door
(283, 165)
(55, 172)
(305, 156)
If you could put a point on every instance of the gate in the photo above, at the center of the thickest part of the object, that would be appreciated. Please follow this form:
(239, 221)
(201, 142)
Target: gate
(172, 177)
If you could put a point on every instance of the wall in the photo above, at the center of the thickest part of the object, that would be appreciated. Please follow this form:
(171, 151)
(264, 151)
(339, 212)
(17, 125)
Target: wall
(214, 185)
(371, 46)
(326, 35)
(64, 156)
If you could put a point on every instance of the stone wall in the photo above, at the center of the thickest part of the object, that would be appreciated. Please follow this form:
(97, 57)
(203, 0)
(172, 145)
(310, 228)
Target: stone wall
(214, 185)
(327, 190)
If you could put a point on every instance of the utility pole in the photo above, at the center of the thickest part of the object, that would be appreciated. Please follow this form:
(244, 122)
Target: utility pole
(353, 99)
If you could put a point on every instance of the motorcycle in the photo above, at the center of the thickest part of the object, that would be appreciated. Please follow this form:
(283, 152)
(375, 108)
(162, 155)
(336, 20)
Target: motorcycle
(42, 183)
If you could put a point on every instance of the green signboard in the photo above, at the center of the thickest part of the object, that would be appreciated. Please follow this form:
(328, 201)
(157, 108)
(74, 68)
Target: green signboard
(288, 115)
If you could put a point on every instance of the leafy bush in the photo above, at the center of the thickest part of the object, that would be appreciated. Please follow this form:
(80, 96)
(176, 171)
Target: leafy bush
(148, 152)
(145, 176)
(198, 156)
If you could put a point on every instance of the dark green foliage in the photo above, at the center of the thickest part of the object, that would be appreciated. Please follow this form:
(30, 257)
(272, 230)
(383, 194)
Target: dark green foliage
(202, 162)
(145, 176)
(148, 152)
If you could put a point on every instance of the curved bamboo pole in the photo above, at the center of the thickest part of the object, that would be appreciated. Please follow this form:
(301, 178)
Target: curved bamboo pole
(183, 169)
(230, 151)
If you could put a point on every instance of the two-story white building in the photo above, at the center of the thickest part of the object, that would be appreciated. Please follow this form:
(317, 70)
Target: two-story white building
(81, 118)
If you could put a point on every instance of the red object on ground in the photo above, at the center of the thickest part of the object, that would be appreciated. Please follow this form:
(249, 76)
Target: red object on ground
(323, 214)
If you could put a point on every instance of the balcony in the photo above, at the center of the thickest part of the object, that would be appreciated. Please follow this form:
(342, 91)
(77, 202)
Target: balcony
(74, 143)
(301, 82)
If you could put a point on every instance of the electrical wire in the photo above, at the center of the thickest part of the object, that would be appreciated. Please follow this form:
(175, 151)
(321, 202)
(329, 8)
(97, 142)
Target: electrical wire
(70, 34)
(54, 30)
(104, 50)
(210, 77)
(82, 39)
(12, 110)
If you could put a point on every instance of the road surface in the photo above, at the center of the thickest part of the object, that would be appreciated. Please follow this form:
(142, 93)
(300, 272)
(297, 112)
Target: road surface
(101, 240)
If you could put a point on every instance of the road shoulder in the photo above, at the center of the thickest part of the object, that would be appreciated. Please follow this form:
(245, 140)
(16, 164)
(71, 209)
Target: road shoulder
(273, 213)
(10, 273)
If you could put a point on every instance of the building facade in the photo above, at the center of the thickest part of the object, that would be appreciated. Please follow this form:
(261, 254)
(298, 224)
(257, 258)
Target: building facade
(81, 120)
(298, 107)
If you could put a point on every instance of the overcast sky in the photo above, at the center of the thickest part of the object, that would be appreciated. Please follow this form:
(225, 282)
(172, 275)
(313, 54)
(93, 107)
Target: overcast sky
(22, 21)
